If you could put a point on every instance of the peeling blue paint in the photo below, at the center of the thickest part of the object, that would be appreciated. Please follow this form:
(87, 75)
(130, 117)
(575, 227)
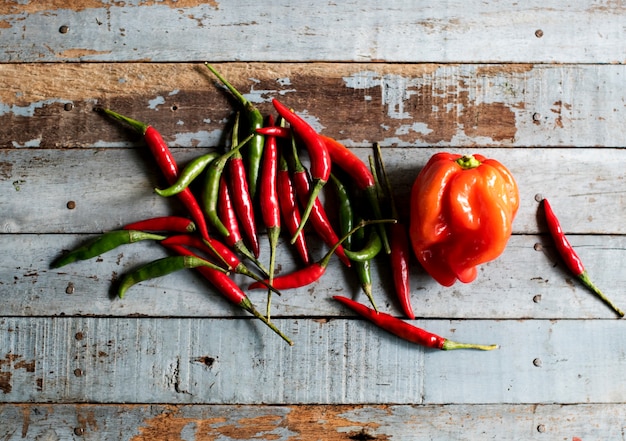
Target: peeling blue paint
(32, 143)
(154, 103)
(202, 138)
(29, 110)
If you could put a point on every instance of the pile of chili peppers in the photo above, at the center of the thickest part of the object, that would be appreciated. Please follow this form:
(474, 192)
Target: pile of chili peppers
(261, 181)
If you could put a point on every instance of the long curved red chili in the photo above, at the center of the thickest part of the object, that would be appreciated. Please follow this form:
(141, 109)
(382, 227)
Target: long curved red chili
(571, 258)
(288, 204)
(406, 331)
(229, 289)
(318, 155)
(312, 272)
(176, 224)
(242, 201)
(226, 212)
(268, 200)
(167, 164)
(362, 176)
(216, 249)
(399, 246)
(319, 219)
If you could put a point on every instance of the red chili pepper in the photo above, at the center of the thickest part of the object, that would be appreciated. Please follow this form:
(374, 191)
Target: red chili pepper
(571, 258)
(176, 224)
(216, 249)
(319, 219)
(311, 273)
(399, 245)
(289, 208)
(318, 155)
(229, 289)
(268, 197)
(227, 214)
(242, 201)
(167, 164)
(277, 131)
(406, 331)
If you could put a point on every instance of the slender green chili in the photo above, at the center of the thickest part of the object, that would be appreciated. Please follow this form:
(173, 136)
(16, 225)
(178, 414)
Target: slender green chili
(162, 267)
(255, 121)
(103, 243)
(347, 219)
(372, 247)
(188, 174)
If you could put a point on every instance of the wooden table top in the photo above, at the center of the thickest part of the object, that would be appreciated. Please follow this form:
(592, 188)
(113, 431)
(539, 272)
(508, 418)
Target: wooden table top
(538, 86)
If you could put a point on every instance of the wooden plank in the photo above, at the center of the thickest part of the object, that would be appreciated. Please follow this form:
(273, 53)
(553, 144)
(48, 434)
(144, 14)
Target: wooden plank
(144, 360)
(111, 187)
(332, 423)
(396, 31)
(522, 283)
(417, 105)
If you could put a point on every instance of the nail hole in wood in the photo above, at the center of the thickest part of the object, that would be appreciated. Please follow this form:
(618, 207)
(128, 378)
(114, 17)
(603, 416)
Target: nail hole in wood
(70, 288)
(541, 428)
(68, 106)
(537, 362)
(538, 33)
(71, 205)
(537, 298)
(538, 247)
(78, 372)
(64, 29)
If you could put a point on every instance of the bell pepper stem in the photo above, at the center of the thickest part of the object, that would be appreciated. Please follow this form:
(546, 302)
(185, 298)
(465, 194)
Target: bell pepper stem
(467, 162)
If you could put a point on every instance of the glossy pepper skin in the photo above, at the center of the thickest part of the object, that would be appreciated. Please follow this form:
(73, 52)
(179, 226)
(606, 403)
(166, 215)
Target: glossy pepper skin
(461, 214)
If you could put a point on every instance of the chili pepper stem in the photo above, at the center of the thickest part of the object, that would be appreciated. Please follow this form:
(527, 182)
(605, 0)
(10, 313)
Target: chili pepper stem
(138, 126)
(248, 306)
(273, 234)
(323, 262)
(315, 190)
(584, 278)
(449, 345)
(243, 249)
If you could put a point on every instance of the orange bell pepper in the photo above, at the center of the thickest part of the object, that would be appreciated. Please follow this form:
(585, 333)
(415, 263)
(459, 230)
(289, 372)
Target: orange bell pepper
(461, 214)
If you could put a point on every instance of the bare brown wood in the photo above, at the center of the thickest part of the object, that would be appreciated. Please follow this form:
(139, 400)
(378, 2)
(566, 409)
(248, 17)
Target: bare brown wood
(311, 422)
(51, 105)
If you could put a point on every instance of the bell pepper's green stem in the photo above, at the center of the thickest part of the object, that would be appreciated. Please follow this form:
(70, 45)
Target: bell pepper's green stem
(467, 162)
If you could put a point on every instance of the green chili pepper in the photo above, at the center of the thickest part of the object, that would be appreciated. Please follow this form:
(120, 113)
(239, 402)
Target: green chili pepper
(212, 187)
(189, 173)
(162, 267)
(372, 247)
(255, 121)
(347, 219)
(363, 271)
(103, 243)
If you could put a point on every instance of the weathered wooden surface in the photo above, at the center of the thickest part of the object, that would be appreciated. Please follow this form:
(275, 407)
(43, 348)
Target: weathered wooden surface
(537, 85)
(417, 105)
(311, 422)
(356, 31)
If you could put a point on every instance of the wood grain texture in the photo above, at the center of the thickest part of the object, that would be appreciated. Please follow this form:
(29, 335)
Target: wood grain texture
(349, 361)
(127, 422)
(396, 31)
(104, 184)
(523, 283)
(412, 105)
(537, 85)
